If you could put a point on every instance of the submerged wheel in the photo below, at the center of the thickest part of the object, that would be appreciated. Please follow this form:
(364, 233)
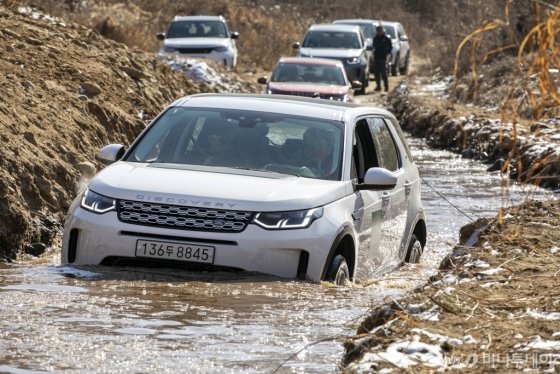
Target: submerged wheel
(338, 272)
(414, 250)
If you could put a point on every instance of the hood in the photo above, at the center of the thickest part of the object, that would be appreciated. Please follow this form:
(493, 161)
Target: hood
(335, 53)
(323, 89)
(179, 186)
(196, 42)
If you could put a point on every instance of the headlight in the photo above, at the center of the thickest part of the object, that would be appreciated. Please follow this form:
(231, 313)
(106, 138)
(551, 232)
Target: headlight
(297, 219)
(97, 203)
(353, 60)
(269, 91)
(169, 49)
(339, 98)
(221, 49)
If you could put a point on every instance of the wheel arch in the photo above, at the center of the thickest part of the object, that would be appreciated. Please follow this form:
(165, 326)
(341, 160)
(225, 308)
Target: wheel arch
(345, 245)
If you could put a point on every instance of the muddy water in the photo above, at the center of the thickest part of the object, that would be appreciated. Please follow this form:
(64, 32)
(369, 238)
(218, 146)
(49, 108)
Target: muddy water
(108, 320)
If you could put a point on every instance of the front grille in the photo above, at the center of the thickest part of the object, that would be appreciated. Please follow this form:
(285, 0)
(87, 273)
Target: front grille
(193, 50)
(182, 217)
(304, 94)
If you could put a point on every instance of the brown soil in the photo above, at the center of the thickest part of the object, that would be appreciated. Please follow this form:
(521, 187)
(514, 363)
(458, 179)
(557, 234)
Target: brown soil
(502, 292)
(65, 92)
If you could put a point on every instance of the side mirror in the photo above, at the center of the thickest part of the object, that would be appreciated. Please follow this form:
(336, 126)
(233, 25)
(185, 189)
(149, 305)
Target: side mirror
(160, 35)
(356, 85)
(296, 45)
(262, 80)
(369, 44)
(110, 153)
(234, 35)
(378, 179)
(403, 38)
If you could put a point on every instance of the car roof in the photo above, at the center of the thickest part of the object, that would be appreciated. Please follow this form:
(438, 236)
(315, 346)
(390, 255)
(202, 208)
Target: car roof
(355, 21)
(296, 105)
(198, 18)
(333, 27)
(310, 61)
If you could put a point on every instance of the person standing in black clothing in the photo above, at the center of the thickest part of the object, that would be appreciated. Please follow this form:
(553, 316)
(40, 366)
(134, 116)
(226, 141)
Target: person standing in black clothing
(382, 48)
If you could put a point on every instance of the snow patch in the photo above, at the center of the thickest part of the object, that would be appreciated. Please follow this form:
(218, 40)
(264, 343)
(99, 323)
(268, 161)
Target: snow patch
(477, 264)
(404, 354)
(492, 271)
(552, 316)
(540, 343)
(196, 70)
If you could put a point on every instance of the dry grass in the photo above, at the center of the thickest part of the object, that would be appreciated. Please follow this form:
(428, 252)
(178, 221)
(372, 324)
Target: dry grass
(530, 87)
(268, 27)
(533, 91)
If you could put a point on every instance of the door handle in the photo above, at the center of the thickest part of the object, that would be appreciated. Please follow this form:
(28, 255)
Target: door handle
(385, 198)
(407, 187)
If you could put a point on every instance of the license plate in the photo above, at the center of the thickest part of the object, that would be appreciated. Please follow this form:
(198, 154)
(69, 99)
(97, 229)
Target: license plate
(175, 251)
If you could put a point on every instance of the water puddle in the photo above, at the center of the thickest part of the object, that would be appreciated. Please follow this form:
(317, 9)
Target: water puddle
(138, 320)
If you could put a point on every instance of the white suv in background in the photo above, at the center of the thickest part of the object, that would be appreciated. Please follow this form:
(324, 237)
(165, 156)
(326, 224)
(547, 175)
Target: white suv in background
(400, 56)
(295, 187)
(201, 37)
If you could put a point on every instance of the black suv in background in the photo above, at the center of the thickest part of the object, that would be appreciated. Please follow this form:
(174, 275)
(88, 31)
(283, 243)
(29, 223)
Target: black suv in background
(341, 42)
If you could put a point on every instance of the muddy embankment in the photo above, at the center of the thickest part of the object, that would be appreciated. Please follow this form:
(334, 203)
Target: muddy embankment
(492, 307)
(529, 153)
(65, 92)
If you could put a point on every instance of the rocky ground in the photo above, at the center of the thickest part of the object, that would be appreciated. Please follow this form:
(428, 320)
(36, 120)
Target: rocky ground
(492, 307)
(65, 92)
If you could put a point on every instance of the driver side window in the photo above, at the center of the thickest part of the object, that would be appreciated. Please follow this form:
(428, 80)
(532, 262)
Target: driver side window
(363, 153)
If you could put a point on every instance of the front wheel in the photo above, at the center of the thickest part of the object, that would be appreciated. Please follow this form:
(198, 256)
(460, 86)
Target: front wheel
(394, 70)
(404, 69)
(414, 250)
(338, 272)
(365, 83)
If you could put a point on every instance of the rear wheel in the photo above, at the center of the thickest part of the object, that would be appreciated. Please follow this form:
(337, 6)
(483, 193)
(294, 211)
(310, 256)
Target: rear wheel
(338, 272)
(414, 250)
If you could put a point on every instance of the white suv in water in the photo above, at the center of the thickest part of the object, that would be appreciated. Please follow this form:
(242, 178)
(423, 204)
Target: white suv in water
(294, 187)
(202, 37)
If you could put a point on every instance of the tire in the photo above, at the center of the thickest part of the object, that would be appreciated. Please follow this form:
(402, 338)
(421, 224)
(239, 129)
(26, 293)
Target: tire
(414, 251)
(394, 70)
(338, 272)
(404, 69)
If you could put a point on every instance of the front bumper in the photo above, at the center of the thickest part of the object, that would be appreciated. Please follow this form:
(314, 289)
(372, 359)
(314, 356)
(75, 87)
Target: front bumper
(227, 58)
(355, 72)
(276, 252)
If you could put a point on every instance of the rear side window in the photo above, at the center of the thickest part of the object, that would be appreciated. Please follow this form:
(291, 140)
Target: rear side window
(385, 149)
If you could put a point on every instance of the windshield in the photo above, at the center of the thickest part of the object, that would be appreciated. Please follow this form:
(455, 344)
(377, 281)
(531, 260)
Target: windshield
(367, 28)
(390, 31)
(257, 141)
(331, 39)
(308, 73)
(197, 29)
